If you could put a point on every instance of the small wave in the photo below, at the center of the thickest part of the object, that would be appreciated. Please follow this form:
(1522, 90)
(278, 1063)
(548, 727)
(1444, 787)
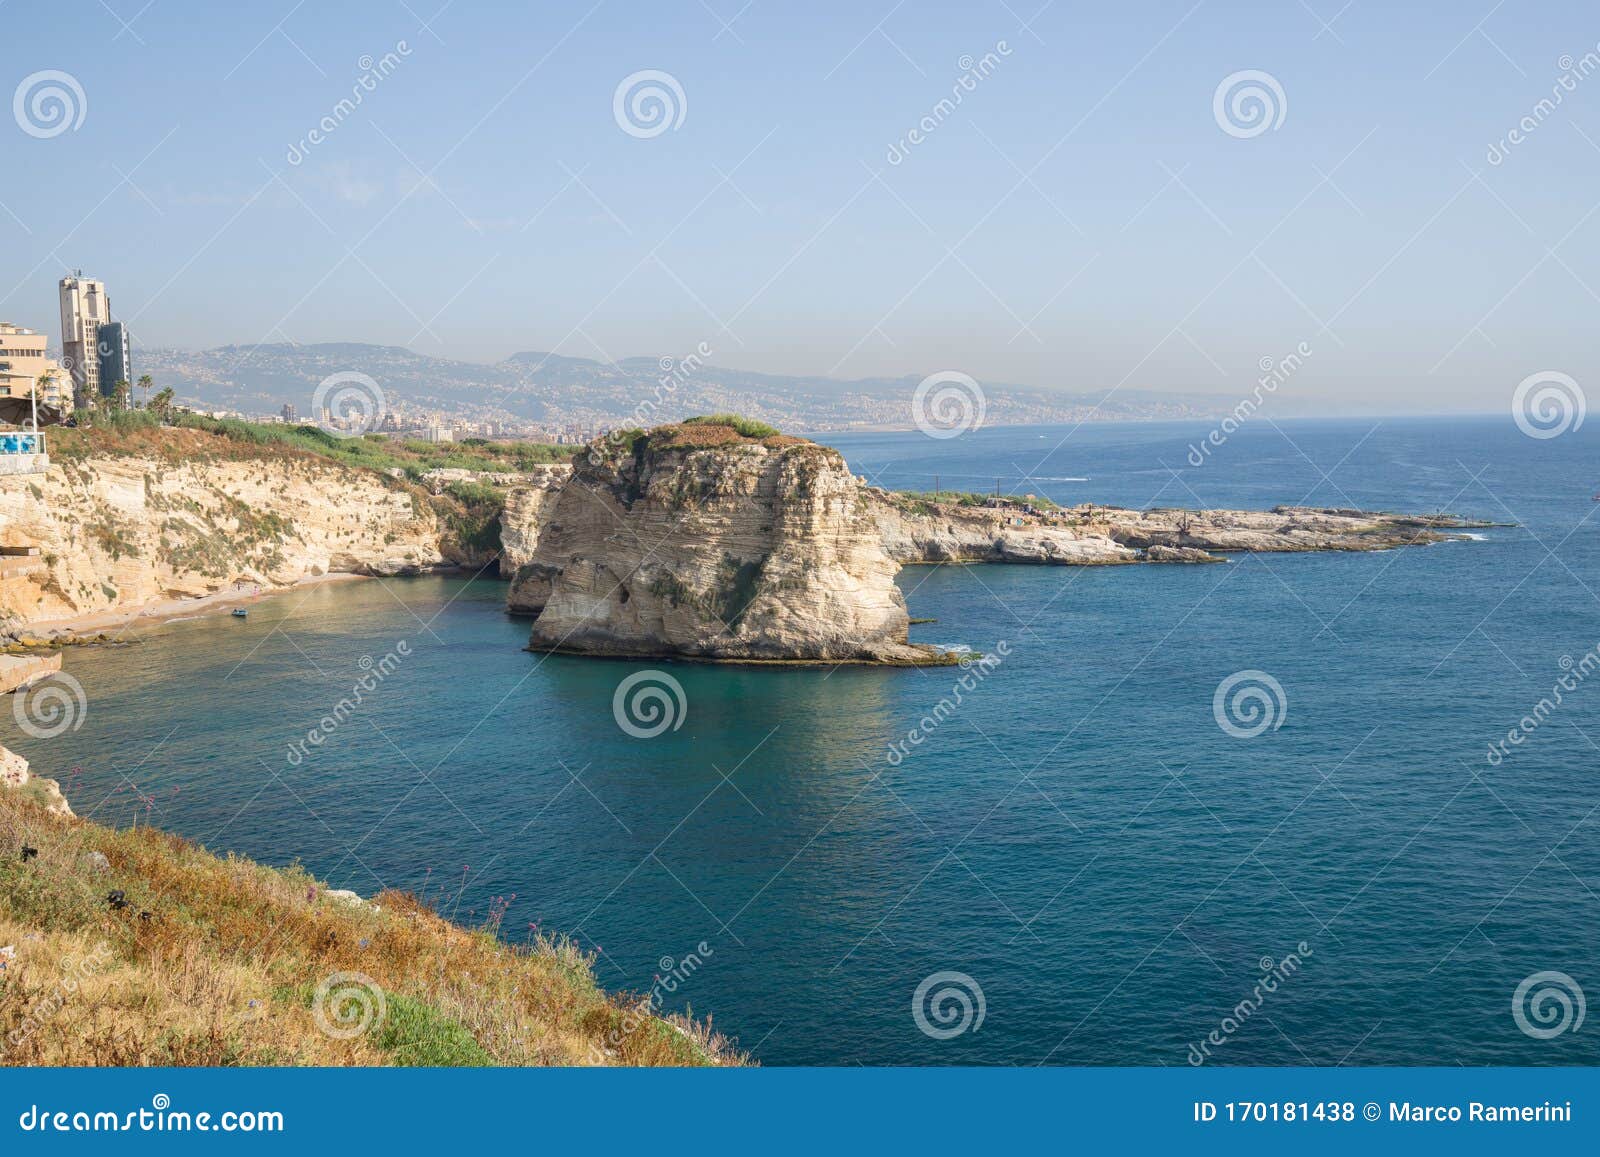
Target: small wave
(952, 648)
(1474, 537)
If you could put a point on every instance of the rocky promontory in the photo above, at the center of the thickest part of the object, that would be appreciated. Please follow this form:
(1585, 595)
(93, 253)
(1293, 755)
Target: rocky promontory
(923, 528)
(715, 539)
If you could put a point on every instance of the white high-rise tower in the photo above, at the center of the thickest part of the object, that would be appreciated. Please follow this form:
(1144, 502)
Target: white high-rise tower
(84, 309)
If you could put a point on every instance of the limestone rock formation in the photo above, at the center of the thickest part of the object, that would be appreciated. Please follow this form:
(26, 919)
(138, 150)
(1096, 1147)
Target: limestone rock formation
(920, 528)
(527, 505)
(122, 530)
(696, 541)
(14, 775)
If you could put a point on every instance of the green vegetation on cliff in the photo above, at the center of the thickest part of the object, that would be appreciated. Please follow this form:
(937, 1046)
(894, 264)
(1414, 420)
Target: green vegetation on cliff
(139, 432)
(241, 964)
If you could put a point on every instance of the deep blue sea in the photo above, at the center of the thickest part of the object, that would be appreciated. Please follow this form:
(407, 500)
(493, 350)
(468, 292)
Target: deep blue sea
(1079, 839)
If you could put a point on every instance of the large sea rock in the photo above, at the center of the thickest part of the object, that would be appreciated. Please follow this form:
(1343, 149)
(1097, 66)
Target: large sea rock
(695, 542)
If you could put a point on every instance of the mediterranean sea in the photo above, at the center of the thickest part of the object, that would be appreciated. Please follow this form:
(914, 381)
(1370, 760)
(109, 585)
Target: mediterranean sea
(1084, 857)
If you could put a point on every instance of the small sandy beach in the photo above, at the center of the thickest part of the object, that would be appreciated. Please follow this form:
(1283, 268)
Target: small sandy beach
(161, 610)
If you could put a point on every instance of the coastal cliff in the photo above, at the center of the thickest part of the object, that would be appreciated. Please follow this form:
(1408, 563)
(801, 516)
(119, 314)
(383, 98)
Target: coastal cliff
(714, 540)
(134, 947)
(922, 528)
(125, 519)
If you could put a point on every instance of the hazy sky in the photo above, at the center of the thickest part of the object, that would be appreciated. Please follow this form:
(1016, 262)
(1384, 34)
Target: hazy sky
(1080, 219)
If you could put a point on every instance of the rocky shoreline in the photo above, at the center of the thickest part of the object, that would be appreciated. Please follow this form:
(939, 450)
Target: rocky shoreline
(713, 540)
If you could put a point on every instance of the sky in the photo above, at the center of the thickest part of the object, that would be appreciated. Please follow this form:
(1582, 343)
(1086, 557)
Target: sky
(1086, 217)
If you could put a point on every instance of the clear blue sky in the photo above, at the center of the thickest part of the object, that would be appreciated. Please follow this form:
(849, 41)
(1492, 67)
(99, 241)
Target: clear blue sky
(1080, 220)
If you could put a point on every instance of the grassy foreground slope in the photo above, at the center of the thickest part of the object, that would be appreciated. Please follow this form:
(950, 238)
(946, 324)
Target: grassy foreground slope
(240, 964)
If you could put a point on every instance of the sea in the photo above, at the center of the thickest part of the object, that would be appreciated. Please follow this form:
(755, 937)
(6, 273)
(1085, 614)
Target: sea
(1295, 809)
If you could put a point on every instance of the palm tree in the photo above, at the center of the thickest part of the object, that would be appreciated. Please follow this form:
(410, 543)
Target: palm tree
(120, 394)
(144, 384)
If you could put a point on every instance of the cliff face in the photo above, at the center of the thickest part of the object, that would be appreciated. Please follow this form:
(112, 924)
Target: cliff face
(917, 529)
(693, 541)
(920, 529)
(528, 505)
(118, 531)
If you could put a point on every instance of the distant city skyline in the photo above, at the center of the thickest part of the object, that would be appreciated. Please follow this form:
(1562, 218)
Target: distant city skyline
(1159, 197)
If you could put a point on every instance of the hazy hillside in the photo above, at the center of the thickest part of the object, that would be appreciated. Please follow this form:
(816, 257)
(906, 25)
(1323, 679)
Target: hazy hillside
(558, 391)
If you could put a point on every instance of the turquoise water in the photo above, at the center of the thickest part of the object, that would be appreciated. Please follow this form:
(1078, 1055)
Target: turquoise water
(1079, 837)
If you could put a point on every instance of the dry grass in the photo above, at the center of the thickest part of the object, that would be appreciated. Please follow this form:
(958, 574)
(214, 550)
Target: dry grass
(226, 969)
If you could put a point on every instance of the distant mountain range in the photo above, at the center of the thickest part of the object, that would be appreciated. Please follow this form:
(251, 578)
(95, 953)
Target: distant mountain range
(556, 392)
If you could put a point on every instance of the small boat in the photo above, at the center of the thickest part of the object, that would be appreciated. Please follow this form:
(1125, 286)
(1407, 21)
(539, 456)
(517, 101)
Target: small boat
(240, 613)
